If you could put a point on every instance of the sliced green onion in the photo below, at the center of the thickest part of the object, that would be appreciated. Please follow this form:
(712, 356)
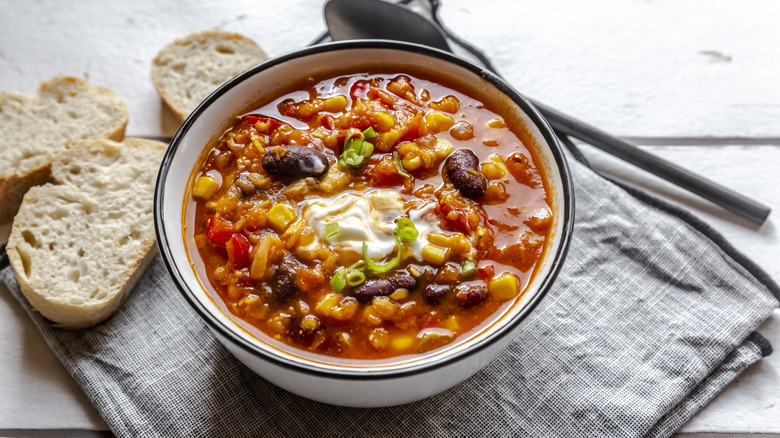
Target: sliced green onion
(468, 269)
(381, 268)
(350, 135)
(366, 149)
(369, 133)
(398, 166)
(355, 277)
(356, 150)
(338, 281)
(332, 230)
(405, 230)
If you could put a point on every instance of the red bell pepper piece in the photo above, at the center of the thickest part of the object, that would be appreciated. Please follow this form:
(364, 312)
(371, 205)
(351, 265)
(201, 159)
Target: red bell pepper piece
(430, 319)
(219, 230)
(253, 119)
(238, 250)
(327, 122)
(385, 174)
(358, 89)
(456, 218)
(486, 272)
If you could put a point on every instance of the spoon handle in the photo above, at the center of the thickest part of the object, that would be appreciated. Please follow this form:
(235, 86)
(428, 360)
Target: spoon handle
(739, 204)
(732, 201)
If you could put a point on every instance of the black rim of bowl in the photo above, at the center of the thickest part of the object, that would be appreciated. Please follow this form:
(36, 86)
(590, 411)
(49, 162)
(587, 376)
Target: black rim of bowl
(304, 366)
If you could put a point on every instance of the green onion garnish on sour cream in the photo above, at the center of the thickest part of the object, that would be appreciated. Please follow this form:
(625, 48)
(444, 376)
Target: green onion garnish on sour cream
(332, 230)
(404, 232)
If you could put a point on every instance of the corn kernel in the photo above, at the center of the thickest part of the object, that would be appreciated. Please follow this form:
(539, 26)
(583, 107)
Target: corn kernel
(385, 141)
(411, 163)
(280, 216)
(457, 241)
(402, 342)
(504, 287)
(434, 254)
(399, 294)
(205, 187)
(497, 123)
(492, 170)
(449, 104)
(383, 121)
(438, 122)
(309, 108)
(335, 104)
(327, 303)
(451, 324)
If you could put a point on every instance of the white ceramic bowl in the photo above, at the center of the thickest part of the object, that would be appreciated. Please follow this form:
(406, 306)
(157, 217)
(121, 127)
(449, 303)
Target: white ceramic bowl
(330, 380)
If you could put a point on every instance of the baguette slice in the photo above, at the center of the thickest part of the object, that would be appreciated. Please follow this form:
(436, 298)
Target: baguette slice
(188, 69)
(79, 245)
(34, 129)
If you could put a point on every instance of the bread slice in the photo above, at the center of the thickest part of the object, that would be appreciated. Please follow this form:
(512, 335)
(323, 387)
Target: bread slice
(34, 129)
(187, 70)
(79, 245)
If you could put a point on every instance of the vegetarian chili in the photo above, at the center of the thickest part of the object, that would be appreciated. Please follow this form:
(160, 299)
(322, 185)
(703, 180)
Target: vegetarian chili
(370, 215)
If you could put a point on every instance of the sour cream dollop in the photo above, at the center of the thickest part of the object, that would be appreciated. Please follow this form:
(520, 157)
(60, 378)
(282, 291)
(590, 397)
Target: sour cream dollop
(369, 217)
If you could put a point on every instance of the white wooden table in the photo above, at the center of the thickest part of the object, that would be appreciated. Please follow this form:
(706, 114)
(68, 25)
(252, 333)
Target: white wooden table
(695, 82)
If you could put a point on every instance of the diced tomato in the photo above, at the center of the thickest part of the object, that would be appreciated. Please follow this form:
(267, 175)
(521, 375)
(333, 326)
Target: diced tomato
(238, 250)
(219, 230)
(327, 122)
(486, 272)
(357, 90)
(456, 218)
(252, 119)
(430, 319)
(416, 128)
(385, 174)
(266, 124)
(392, 102)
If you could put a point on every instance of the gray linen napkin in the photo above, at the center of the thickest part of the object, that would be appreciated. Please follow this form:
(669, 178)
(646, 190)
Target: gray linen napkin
(648, 321)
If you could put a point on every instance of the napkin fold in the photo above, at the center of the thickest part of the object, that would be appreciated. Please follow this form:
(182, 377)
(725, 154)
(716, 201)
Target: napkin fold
(652, 315)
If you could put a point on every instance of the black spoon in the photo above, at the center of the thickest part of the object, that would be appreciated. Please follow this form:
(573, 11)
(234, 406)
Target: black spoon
(377, 19)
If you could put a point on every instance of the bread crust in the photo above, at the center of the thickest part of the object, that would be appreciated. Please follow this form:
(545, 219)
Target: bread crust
(56, 301)
(181, 85)
(14, 183)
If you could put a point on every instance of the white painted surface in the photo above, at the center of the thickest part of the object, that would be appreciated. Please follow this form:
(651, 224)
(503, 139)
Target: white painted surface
(667, 68)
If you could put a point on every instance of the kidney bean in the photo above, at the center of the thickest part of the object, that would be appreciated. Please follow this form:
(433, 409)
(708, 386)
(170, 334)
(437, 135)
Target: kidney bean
(462, 167)
(383, 287)
(294, 161)
(434, 293)
(470, 295)
(283, 283)
(373, 288)
(403, 280)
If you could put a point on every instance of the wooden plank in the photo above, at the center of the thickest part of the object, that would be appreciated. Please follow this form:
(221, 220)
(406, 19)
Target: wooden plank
(634, 68)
